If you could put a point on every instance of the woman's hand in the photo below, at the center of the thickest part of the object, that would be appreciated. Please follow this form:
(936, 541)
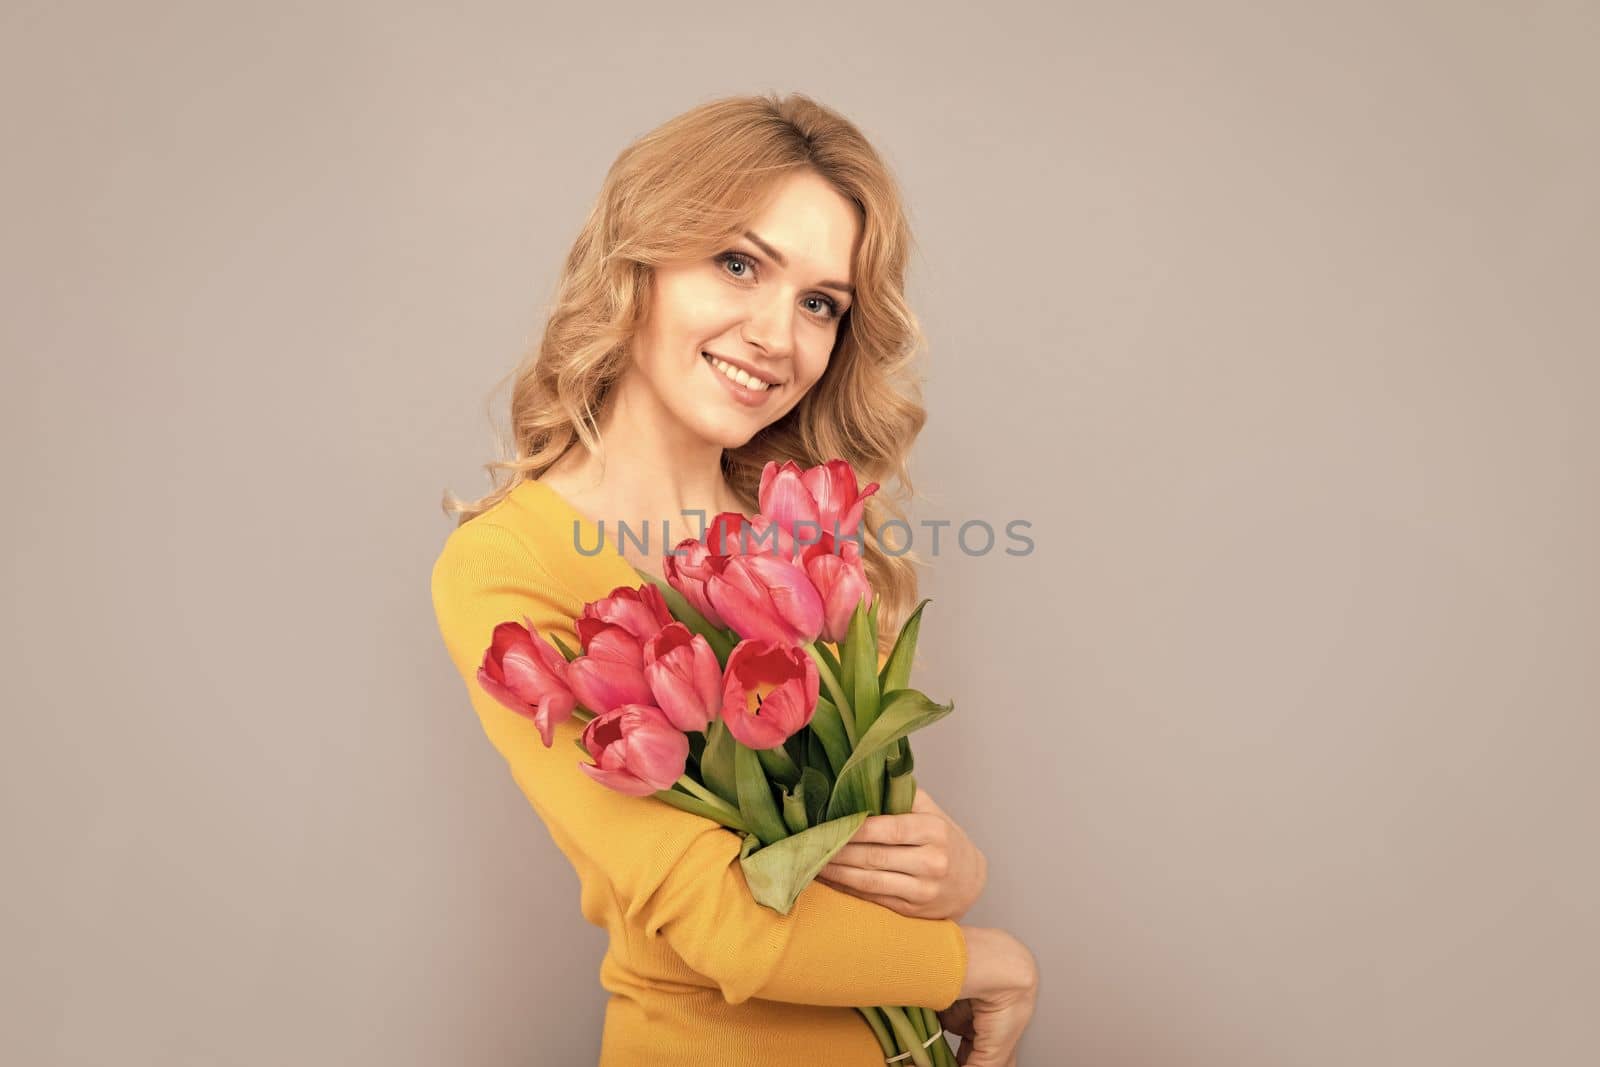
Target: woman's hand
(998, 994)
(920, 864)
(990, 1028)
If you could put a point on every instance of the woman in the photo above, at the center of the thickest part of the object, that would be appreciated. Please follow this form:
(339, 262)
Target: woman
(736, 296)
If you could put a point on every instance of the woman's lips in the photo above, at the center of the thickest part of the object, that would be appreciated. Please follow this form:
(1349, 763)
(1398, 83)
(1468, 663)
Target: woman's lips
(748, 397)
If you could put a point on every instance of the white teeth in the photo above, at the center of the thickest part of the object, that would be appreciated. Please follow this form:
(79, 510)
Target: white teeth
(744, 379)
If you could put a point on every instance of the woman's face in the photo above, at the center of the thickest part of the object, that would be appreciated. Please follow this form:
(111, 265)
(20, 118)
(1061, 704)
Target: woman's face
(769, 304)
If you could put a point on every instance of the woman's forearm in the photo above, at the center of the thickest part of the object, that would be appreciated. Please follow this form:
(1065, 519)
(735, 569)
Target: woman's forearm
(996, 961)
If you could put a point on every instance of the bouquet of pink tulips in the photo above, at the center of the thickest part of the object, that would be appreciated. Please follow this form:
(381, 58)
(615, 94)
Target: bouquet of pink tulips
(747, 689)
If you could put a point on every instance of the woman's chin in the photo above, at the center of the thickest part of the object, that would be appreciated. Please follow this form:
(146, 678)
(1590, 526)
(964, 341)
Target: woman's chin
(734, 440)
(725, 424)
(729, 433)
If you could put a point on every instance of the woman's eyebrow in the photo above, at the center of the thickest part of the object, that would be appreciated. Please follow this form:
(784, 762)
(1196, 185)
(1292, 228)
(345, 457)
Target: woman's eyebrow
(843, 287)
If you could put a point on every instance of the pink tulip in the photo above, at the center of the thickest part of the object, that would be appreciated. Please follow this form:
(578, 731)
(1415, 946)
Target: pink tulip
(684, 677)
(527, 675)
(755, 535)
(687, 569)
(726, 534)
(610, 673)
(841, 581)
(641, 611)
(768, 537)
(825, 495)
(636, 750)
(612, 640)
(769, 693)
(767, 598)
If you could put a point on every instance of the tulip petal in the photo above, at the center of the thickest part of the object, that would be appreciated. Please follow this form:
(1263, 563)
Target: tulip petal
(636, 750)
(621, 781)
(555, 708)
(602, 685)
(784, 496)
(744, 603)
(788, 678)
(687, 568)
(502, 693)
(791, 594)
(614, 644)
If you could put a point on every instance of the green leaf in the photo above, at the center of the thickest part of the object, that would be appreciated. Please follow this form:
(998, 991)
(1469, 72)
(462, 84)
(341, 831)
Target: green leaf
(690, 616)
(900, 761)
(896, 673)
(817, 755)
(777, 873)
(696, 806)
(861, 660)
(861, 665)
(716, 762)
(561, 646)
(794, 807)
(835, 689)
(900, 786)
(904, 711)
(847, 686)
(816, 786)
(756, 805)
(828, 655)
(795, 746)
(829, 730)
(900, 792)
(778, 766)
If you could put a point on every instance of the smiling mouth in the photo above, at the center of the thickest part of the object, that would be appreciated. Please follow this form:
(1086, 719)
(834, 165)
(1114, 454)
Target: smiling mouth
(739, 377)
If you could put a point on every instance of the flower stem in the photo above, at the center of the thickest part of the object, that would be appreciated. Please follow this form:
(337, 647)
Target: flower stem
(847, 714)
(707, 795)
(906, 1034)
(879, 1031)
(942, 1054)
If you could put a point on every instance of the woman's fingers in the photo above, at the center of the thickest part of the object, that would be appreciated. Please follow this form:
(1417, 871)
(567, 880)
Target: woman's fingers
(907, 828)
(910, 859)
(998, 1024)
(988, 1035)
(883, 883)
(895, 904)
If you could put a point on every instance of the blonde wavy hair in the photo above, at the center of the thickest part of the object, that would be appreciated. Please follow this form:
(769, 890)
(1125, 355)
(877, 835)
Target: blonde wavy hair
(685, 190)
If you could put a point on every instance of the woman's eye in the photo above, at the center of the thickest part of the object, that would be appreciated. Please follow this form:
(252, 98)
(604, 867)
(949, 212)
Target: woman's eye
(833, 309)
(747, 267)
(734, 258)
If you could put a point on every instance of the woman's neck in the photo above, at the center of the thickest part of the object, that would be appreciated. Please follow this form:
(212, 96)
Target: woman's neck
(654, 470)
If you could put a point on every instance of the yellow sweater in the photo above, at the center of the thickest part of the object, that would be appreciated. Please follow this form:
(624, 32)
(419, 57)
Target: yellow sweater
(699, 974)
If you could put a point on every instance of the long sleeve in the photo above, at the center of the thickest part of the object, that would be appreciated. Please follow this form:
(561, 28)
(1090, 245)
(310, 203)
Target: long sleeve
(674, 874)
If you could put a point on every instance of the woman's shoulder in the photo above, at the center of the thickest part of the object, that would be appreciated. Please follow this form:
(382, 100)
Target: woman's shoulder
(529, 510)
(559, 538)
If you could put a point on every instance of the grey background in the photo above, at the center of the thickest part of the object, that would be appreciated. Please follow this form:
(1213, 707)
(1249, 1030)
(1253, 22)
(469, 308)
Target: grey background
(1275, 322)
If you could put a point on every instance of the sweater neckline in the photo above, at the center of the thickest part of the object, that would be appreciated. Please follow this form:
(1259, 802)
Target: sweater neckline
(544, 501)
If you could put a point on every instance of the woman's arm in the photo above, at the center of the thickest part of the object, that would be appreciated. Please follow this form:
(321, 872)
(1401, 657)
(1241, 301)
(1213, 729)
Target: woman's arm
(672, 873)
(997, 999)
(920, 863)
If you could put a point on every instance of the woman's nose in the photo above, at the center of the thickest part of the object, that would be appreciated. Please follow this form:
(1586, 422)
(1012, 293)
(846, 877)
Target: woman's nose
(770, 325)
